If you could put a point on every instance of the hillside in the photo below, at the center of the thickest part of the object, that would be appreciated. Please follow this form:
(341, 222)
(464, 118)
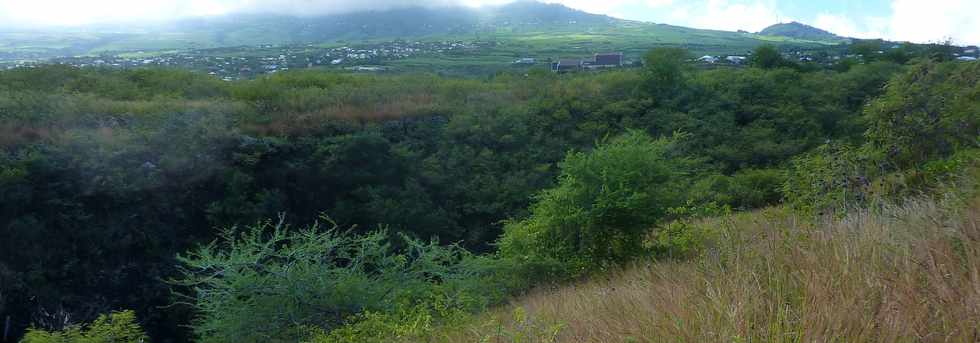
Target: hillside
(906, 271)
(801, 31)
(362, 206)
(527, 25)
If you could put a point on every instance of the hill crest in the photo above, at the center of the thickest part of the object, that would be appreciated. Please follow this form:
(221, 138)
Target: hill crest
(800, 31)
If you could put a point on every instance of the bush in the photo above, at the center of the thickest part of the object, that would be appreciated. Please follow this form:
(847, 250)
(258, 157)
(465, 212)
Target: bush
(116, 327)
(746, 189)
(928, 112)
(604, 205)
(833, 177)
(268, 283)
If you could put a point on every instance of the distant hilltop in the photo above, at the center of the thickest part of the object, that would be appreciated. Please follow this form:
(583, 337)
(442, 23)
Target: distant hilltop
(801, 31)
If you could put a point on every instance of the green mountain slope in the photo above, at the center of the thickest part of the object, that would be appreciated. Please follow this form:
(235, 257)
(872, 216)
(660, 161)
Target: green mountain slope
(800, 31)
(533, 26)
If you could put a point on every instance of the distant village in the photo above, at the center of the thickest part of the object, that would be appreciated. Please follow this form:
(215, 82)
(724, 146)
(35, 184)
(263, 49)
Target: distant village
(826, 57)
(236, 63)
(247, 62)
(598, 61)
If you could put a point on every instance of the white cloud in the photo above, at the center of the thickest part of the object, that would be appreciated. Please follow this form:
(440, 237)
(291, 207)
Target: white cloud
(659, 3)
(75, 12)
(870, 27)
(934, 20)
(727, 15)
(913, 20)
(608, 7)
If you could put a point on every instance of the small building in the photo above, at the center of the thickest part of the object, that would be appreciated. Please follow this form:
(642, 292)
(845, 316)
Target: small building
(608, 60)
(708, 59)
(566, 65)
(735, 59)
(966, 58)
(526, 61)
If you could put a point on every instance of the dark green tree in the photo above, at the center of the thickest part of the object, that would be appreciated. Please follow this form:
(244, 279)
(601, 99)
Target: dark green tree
(768, 57)
(665, 71)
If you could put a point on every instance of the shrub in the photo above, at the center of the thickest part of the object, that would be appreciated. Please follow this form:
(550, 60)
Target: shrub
(116, 327)
(928, 112)
(748, 188)
(833, 177)
(267, 282)
(605, 203)
(920, 134)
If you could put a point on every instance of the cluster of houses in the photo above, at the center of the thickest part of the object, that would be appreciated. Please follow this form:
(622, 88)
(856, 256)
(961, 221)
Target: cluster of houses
(970, 54)
(734, 59)
(598, 61)
(246, 62)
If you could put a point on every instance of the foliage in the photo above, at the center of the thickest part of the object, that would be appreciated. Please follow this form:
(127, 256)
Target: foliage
(665, 71)
(867, 49)
(833, 177)
(264, 283)
(927, 112)
(106, 175)
(927, 115)
(768, 57)
(746, 189)
(900, 272)
(603, 205)
(115, 327)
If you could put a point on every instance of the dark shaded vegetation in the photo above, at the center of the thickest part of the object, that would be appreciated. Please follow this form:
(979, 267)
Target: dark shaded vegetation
(106, 176)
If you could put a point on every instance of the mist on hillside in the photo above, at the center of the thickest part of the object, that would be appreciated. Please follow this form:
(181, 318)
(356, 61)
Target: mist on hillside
(23, 15)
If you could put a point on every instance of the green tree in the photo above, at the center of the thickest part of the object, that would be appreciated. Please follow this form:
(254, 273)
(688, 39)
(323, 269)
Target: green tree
(665, 69)
(928, 112)
(867, 49)
(605, 203)
(768, 57)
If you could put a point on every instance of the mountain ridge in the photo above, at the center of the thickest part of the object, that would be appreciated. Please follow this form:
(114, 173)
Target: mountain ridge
(532, 25)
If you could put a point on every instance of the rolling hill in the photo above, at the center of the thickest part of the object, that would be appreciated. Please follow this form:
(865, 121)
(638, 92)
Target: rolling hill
(529, 26)
(801, 31)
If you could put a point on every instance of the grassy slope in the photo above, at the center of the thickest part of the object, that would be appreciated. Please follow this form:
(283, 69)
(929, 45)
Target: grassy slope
(907, 273)
(634, 39)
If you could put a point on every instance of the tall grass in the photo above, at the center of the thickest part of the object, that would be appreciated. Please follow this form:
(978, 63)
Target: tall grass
(903, 273)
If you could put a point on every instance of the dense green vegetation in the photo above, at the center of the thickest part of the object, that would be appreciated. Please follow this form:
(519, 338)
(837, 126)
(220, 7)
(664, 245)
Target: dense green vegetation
(141, 189)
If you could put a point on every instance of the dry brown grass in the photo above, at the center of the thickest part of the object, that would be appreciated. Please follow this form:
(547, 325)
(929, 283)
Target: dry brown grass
(908, 273)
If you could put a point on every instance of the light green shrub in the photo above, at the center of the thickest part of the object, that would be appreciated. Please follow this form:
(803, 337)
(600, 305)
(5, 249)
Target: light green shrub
(605, 203)
(118, 327)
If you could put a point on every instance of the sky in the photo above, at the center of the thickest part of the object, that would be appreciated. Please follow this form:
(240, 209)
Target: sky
(903, 20)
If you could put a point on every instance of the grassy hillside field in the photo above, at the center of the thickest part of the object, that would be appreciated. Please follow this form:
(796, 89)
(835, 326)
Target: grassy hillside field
(902, 273)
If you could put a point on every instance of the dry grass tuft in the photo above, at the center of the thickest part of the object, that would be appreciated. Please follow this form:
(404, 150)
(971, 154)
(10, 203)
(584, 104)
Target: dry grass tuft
(905, 273)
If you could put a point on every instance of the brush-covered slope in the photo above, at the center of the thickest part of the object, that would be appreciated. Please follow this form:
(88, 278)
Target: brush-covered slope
(907, 272)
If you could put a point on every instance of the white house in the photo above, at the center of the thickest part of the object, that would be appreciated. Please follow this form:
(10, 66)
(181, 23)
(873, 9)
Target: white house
(708, 59)
(735, 59)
